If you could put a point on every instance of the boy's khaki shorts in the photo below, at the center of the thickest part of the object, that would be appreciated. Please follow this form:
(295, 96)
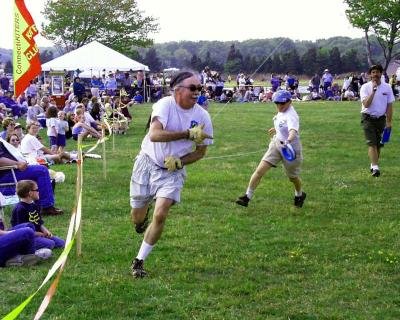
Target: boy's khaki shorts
(273, 156)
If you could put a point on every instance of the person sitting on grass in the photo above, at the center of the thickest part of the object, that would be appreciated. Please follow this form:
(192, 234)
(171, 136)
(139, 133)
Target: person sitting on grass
(315, 95)
(122, 104)
(348, 95)
(27, 210)
(17, 246)
(3, 111)
(223, 97)
(138, 98)
(8, 126)
(19, 131)
(34, 150)
(88, 118)
(81, 128)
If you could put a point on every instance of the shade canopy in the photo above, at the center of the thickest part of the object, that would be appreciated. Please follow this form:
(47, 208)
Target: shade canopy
(95, 57)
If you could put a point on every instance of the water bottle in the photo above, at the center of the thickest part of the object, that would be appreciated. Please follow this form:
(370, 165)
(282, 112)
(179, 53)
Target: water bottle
(386, 135)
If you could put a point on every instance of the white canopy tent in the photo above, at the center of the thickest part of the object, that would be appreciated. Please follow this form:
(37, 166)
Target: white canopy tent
(94, 57)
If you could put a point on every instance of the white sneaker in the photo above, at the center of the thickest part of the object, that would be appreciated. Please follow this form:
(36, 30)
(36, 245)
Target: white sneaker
(73, 156)
(43, 253)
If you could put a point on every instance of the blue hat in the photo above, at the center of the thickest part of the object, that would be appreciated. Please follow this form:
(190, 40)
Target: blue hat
(281, 96)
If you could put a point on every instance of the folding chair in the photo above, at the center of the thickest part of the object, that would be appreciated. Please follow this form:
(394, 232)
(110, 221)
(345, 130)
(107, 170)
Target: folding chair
(8, 200)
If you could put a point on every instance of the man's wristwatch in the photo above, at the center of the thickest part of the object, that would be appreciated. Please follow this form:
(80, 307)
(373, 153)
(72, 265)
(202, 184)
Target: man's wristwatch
(375, 88)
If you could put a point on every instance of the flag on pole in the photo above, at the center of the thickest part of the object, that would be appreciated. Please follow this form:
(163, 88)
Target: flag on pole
(26, 60)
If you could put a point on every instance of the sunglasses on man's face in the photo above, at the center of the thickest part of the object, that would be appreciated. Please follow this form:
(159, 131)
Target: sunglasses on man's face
(193, 87)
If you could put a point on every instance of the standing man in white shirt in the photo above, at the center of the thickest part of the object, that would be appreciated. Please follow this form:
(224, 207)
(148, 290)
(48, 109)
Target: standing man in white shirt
(376, 113)
(285, 132)
(179, 132)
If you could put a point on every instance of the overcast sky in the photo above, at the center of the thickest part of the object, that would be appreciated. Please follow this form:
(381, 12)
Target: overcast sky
(222, 20)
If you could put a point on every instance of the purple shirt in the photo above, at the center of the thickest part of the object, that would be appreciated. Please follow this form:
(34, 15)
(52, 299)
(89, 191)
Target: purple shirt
(327, 77)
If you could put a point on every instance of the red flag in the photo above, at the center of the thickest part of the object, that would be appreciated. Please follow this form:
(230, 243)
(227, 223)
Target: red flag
(26, 60)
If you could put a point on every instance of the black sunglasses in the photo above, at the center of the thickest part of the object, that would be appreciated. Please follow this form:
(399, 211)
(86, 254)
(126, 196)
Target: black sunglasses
(193, 87)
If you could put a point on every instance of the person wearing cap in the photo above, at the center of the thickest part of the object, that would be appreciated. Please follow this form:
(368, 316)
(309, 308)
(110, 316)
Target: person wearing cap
(19, 131)
(179, 133)
(327, 79)
(285, 133)
(376, 113)
(8, 126)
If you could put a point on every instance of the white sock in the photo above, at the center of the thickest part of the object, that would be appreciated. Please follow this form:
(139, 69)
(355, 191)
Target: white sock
(298, 193)
(374, 167)
(144, 251)
(249, 193)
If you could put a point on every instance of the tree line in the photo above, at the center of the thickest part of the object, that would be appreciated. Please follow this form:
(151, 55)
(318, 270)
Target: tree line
(278, 55)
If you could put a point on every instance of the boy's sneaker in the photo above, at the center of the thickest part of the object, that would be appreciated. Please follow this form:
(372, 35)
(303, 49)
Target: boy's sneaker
(141, 227)
(376, 173)
(137, 268)
(43, 253)
(22, 260)
(299, 200)
(243, 201)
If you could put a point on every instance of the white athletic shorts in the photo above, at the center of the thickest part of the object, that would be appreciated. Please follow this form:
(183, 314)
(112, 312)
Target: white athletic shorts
(274, 156)
(149, 181)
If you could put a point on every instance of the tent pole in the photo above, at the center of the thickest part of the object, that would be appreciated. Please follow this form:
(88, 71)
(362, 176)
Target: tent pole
(144, 86)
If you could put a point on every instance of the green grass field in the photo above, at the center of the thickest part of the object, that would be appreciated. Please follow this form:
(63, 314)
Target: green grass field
(336, 258)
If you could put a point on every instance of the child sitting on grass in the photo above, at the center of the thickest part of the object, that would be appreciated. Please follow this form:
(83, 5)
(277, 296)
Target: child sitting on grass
(81, 128)
(27, 210)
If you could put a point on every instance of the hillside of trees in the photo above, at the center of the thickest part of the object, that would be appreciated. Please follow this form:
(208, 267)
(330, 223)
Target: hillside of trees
(278, 55)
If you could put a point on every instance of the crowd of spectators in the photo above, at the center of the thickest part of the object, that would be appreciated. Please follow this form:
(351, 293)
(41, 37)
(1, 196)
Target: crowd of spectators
(118, 90)
(320, 87)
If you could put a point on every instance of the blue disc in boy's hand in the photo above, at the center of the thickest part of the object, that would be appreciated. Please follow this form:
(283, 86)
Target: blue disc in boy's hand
(288, 152)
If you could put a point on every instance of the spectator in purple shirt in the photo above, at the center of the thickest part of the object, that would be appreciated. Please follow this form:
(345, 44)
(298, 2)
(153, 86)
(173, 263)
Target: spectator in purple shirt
(327, 79)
